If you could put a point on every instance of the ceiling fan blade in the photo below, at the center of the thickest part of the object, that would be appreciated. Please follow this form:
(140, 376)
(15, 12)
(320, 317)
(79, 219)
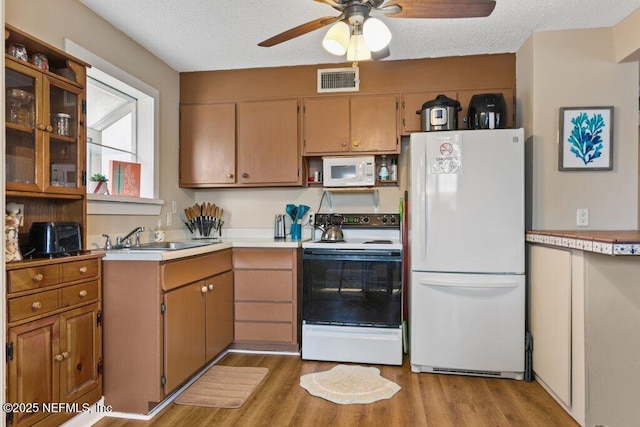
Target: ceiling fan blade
(381, 54)
(440, 8)
(299, 30)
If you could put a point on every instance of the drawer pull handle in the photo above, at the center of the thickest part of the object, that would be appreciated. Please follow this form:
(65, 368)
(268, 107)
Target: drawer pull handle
(65, 354)
(58, 358)
(204, 289)
(36, 305)
(210, 286)
(38, 277)
(83, 293)
(83, 269)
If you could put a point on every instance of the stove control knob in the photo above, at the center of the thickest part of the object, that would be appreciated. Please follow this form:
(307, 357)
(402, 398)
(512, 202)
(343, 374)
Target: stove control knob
(365, 219)
(393, 219)
(384, 219)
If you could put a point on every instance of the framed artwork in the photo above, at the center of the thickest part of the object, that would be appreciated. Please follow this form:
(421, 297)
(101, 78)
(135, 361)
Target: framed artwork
(125, 178)
(586, 139)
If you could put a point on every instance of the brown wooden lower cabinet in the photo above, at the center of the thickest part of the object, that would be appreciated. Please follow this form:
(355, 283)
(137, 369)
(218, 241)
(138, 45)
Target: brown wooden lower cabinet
(164, 321)
(267, 291)
(54, 339)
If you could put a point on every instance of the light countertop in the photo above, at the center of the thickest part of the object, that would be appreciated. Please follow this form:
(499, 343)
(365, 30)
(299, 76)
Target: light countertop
(213, 246)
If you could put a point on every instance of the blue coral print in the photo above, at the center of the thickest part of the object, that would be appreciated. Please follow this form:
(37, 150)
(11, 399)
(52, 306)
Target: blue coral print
(586, 137)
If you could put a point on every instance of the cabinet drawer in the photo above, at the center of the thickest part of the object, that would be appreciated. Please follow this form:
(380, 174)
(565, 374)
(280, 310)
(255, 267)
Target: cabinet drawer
(188, 270)
(33, 278)
(77, 294)
(252, 331)
(78, 270)
(33, 305)
(260, 258)
(264, 311)
(263, 285)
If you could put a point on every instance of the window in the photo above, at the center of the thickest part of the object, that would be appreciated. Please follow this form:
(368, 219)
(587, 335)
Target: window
(122, 124)
(111, 127)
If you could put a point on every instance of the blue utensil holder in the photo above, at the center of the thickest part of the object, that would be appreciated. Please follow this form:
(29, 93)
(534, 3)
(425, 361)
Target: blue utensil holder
(296, 231)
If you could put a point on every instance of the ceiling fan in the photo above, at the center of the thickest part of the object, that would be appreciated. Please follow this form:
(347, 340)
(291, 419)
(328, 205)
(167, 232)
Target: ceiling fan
(357, 34)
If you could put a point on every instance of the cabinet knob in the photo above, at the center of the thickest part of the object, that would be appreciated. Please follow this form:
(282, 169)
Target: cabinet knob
(83, 293)
(245, 175)
(204, 289)
(58, 358)
(83, 269)
(49, 128)
(40, 126)
(230, 175)
(65, 354)
(344, 144)
(38, 277)
(356, 143)
(36, 306)
(210, 286)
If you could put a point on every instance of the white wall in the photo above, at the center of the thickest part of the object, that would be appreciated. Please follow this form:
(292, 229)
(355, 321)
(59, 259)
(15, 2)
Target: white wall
(577, 69)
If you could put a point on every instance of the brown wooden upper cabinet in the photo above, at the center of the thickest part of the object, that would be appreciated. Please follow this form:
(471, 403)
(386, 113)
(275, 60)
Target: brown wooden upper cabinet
(268, 148)
(45, 130)
(337, 125)
(207, 144)
(412, 102)
(245, 144)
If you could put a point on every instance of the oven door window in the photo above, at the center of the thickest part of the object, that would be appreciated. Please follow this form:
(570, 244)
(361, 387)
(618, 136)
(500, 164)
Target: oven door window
(352, 291)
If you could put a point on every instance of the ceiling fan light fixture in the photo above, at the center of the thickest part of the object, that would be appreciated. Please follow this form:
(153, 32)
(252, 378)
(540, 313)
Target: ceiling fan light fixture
(358, 50)
(336, 41)
(376, 34)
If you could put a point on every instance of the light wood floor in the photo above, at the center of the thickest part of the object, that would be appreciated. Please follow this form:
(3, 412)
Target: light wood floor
(424, 400)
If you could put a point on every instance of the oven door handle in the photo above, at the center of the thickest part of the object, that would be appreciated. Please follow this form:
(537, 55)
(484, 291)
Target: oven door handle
(353, 254)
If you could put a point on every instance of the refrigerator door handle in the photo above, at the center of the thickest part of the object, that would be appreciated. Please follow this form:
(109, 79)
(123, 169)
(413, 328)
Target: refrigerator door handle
(462, 284)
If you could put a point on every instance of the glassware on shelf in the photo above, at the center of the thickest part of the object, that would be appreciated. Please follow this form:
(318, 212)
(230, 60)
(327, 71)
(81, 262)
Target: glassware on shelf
(20, 112)
(383, 171)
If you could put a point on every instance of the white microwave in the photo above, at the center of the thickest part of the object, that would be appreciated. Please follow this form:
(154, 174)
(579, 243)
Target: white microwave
(349, 171)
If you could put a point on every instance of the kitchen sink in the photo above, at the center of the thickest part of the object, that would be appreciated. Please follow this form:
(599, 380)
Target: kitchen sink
(166, 246)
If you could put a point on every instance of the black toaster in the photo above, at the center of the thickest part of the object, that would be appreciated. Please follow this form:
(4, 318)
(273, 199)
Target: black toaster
(50, 238)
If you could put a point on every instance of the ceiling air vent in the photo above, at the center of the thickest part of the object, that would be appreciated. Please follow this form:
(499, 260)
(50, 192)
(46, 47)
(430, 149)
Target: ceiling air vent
(338, 80)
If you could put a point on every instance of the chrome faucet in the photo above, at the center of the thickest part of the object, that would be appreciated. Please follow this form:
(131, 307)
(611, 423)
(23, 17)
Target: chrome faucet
(126, 240)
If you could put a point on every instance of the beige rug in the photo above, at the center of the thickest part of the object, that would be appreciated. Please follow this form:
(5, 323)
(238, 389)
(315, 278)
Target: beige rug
(223, 387)
(347, 384)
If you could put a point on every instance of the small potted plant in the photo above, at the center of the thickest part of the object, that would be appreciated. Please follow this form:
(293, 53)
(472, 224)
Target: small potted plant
(99, 184)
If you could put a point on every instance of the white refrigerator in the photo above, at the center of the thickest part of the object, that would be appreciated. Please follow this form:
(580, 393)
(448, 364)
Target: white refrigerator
(466, 237)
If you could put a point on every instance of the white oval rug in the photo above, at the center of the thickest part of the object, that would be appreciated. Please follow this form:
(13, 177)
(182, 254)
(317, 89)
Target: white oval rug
(346, 384)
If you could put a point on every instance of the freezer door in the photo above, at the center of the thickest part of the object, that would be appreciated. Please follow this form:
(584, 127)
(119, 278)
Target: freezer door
(467, 201)
(468, 324)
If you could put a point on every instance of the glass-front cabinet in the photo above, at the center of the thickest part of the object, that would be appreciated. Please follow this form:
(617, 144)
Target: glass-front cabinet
(44, 136)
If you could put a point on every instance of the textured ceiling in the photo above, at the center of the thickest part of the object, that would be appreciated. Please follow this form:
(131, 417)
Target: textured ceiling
(195, 35)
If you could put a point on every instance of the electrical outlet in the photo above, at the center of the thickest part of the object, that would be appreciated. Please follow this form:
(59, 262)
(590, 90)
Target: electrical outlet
(174, 207)
(169, 219)
(582, 217)
(311, 218)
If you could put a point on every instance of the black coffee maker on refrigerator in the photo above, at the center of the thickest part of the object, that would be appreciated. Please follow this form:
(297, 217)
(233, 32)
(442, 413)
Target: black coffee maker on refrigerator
(487, 111)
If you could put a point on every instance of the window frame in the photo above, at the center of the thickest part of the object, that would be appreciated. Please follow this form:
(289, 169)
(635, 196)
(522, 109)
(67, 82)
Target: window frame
(148, 109)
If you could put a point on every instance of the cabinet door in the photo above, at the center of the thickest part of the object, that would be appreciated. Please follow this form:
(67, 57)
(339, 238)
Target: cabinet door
(326, 125)
(64, 141)
(33, 371)
(81, 349)
(550, 311)
(268, 143)
(411, 106)
(207, 144)
(183, 333)
(219, 314)
(374, 124)
(24, 128)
